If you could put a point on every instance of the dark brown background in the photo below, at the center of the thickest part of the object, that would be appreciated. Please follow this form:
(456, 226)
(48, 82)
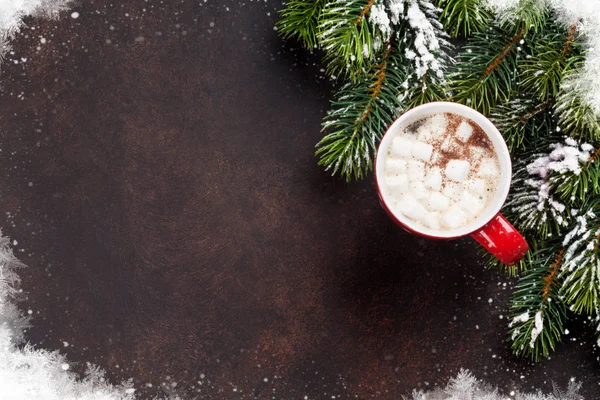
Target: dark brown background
(160, 181)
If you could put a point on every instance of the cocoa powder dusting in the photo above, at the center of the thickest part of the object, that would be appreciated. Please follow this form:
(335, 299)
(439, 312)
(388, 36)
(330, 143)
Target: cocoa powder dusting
(463, 151)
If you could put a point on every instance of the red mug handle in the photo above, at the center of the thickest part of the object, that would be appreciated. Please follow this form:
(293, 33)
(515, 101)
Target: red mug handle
(501, 239)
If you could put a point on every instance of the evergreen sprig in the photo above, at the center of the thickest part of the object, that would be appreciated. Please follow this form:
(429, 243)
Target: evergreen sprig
(576, 117)
(572, 188)
(525, 16)
(522, 120)
(360, 113)
(365, 107)
(463, 17)
(551, 55)
(537, 313)
(300, 20)
(485, 71)
(580, 273)
(347, 37)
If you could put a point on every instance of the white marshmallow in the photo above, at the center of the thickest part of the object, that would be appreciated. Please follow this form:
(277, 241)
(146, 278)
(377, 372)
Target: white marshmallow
(472, 204)
(422, 150)
(488, 167)
(457, 170)
(477, 185)
(477, 153)
(437, 202)
(395, 166)
(433, 128)
(433, 180)
(401, 146)
(464, 131)
(416, 170)
(435, 157)
(394, 182)
(418, 190)
(449, 144)
(410, 207)
(454, 217)
(432, 220)
(451, 190)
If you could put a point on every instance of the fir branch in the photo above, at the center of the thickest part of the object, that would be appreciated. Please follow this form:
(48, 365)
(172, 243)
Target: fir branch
(360, 115)
(537, 312)
(485, 71)
(576, 117)
(493, 66)
(533, 203)
(572, 188)
(581, 270)
(347, 37)
(422, 39)
(463, 17)
(552, 54)
(521, 121)
(510, 270)
(527, 15)
(300, 20)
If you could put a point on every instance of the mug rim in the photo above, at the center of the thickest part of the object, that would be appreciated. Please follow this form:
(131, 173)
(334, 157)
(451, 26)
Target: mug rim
(500, 148)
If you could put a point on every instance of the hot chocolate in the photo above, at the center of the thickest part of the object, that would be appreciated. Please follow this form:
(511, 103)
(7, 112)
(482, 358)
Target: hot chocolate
(441, 171)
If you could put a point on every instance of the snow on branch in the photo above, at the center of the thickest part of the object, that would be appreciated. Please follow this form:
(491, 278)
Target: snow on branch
(418, 33)
(533, 201)
(585, 14)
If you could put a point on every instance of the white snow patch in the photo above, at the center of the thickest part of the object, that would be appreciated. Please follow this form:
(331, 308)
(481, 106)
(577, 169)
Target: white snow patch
(519, 318)
(396, 8)
(32, 373)
(13, 11)
(467, 387)
(426, 40)
(378, 17)
(537, 329)
(563, 158)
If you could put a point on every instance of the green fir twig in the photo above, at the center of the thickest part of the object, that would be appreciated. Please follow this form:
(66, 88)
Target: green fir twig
(300, 20)
(464, 17)
(360, 113)
(537, 313)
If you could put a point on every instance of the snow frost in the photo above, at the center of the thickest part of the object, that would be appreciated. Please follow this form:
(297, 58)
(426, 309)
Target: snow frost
(579, 243)
(12, 13)
(426, 40)
(466, 386)
(29, 373)
(396, 10)
(425, 31)
(519, 318)
(378, 16)
(586, 15)
(563, 158)
(537, 329)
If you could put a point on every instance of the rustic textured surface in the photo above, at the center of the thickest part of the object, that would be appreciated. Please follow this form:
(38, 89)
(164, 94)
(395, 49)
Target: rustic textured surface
(159, 178)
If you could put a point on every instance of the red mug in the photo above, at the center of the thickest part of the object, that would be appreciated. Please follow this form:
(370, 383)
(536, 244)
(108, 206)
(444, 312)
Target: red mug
(490, 228)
